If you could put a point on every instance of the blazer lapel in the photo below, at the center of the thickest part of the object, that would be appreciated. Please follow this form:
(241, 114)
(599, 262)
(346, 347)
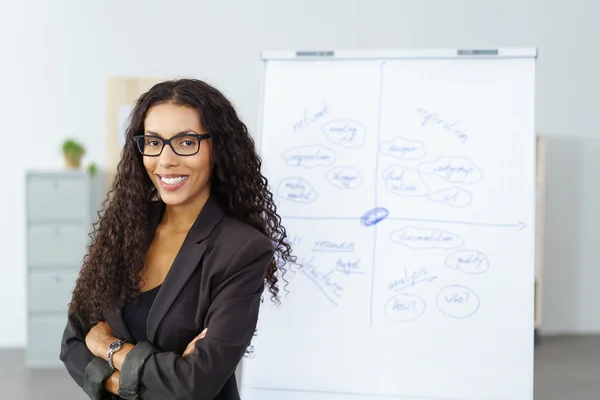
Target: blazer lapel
(185, 263)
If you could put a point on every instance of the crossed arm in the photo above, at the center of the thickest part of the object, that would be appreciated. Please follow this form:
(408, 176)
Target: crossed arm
(98, 341)
(210, 360)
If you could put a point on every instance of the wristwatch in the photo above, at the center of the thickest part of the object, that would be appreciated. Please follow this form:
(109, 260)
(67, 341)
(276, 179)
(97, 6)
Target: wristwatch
(112, 349)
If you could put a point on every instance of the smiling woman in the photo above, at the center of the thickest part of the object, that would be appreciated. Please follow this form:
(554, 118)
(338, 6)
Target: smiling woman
(176, 158)
(168, 297)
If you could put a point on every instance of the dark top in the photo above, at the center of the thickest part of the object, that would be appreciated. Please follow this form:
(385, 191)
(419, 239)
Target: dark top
(216, 281)
(136, 315)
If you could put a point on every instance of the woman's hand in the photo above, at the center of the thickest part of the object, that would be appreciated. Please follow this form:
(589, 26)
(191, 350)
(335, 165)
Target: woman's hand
(190, 347)
(112, 383)
(99, 339)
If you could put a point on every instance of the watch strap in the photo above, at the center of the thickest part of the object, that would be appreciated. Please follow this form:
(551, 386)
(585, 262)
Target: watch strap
(112, 349)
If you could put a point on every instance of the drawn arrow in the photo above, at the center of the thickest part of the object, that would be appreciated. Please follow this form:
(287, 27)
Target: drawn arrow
(376, 215)
(519, 224)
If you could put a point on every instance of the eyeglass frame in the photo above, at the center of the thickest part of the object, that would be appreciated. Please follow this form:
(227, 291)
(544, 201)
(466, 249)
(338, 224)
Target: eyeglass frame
(167, 142)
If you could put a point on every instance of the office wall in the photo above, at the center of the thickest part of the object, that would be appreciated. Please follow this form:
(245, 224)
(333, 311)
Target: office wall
(57, 55)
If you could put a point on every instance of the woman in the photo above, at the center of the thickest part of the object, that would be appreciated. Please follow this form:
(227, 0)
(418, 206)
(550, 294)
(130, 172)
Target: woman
(167, 300)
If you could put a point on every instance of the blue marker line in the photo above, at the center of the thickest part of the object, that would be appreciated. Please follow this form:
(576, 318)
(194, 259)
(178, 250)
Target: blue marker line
(381, 213)
(374, 216)
(519, 224)
(370, 220)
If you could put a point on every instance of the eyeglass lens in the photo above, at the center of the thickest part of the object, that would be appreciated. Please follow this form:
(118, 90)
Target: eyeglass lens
(182, 145)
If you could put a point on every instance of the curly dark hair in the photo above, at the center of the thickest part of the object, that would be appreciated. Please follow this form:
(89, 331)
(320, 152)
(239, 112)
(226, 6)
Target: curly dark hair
(110, 275)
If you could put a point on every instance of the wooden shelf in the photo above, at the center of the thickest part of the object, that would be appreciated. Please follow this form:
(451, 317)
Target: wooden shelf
(122, 92)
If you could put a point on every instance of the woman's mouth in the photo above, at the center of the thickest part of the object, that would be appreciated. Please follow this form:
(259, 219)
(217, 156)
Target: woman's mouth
(172, 182)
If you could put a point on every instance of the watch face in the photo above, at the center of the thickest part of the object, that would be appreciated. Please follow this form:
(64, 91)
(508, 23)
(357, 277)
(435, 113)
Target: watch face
(115, 345)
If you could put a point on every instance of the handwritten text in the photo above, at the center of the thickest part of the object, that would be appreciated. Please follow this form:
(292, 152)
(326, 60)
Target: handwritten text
(404, 182)
(468, 261)
(453, 169)
(336, 247)
(410, 279)
(348, 267)
(404, 308)
(423, 238)
(350, 134)
(453, 197)
(309, 156)
(429, 117)
(403, 149)
(457, 301)
(310, 117)
(325, 281)
(344, 177)
(296, 189)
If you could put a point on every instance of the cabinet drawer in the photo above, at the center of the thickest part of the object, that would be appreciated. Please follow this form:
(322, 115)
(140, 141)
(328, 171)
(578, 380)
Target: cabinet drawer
(58, 198)
(50, 291)
(44, 335)
(57, 245)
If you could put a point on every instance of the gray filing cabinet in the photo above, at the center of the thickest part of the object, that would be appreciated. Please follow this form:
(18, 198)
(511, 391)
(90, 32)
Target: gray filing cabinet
(61, 207)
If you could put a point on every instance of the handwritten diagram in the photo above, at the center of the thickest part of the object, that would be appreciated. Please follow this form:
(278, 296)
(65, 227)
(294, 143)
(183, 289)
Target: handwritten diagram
(398, 179)
(407, 190)
(411, 267)
(334, 263)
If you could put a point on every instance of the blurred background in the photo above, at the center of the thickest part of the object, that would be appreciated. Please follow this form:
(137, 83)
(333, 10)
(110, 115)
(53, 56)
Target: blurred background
(58, 59)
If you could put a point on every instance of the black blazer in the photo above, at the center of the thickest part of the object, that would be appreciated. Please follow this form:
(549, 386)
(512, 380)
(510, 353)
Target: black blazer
(216, 281)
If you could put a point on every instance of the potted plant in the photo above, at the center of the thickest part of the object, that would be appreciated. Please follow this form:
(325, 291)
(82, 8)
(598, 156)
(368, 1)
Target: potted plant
(92, 169)
(73, 151)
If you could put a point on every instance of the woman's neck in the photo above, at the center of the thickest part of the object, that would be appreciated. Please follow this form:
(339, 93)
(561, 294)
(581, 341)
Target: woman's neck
(183, 216)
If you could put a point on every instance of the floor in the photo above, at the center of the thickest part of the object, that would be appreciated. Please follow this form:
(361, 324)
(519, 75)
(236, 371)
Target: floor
(567, 368)
(18, 383)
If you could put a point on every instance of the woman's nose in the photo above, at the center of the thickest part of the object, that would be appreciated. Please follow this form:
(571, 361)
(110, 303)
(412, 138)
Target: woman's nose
(168, 158)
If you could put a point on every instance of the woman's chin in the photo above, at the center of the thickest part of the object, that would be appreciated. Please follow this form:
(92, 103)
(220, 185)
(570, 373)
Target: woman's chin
(173, 198)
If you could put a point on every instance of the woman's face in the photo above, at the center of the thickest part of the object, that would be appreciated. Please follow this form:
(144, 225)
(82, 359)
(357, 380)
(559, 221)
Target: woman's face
(179, 179)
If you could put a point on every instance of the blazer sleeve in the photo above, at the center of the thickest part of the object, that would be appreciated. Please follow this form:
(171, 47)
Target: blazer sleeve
(88, 371)
(231, 322)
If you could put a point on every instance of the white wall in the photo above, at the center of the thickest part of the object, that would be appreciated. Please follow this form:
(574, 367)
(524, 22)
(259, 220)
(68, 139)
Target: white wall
(55, 58)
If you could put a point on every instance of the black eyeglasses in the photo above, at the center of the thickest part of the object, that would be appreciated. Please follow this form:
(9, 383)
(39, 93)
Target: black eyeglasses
(186, 144)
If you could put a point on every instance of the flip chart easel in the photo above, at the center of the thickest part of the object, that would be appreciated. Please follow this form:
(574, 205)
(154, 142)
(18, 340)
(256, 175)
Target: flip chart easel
(406, 181)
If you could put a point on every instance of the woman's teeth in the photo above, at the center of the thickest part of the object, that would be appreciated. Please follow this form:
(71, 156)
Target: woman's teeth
(173, 181)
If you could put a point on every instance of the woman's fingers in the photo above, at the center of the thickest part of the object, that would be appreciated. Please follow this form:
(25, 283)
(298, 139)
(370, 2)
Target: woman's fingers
(189, 350)
(190, 347)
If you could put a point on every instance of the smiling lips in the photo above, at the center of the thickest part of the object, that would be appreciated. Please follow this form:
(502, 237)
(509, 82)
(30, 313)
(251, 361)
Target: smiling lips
(173, 182)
